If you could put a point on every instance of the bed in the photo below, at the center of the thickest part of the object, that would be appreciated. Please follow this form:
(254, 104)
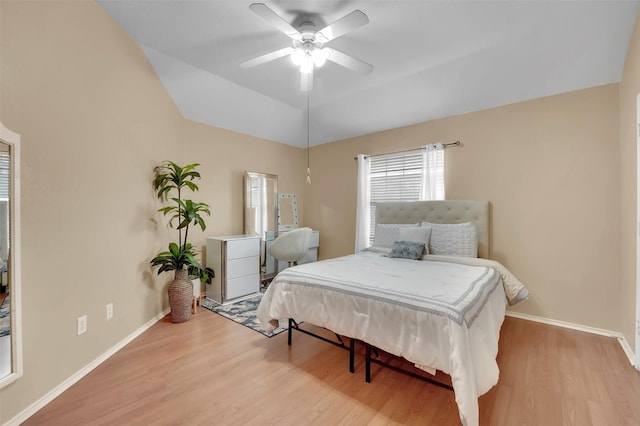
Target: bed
(440, 311)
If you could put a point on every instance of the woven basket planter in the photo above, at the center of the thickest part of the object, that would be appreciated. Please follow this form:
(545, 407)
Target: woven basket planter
(180, 297)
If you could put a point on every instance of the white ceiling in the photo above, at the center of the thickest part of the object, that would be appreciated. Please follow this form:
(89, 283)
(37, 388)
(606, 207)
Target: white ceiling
(431, 59)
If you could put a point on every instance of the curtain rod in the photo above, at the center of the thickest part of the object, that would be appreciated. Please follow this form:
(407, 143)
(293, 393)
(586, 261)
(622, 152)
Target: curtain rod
(456, 143)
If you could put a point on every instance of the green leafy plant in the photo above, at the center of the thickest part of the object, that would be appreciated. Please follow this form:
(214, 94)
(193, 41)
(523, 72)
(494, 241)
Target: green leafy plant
(171, 178)
(175, 259)
(204, 274)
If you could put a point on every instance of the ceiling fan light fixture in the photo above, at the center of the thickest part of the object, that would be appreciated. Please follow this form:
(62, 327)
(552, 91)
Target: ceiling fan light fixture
(307, 51)
(298, 56)
(320, 56)
(306, 67)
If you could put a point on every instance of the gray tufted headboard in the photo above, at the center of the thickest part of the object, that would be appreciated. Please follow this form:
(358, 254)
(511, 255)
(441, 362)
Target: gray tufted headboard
(445, 211)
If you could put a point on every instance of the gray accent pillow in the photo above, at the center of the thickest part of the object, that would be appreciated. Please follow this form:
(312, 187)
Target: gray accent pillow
(407, 250)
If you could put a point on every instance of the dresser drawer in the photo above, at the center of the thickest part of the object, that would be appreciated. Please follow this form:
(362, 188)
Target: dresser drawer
(243, 266)
(242, 286)
(243, 248)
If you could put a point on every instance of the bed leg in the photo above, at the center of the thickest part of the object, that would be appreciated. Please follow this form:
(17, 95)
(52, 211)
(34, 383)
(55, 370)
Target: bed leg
(289, 331)
(367, 363)
(352, 355)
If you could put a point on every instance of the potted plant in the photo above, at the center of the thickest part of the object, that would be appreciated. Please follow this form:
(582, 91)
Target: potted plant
(171, 178)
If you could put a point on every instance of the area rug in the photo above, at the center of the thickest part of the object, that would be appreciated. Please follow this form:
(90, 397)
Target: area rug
(5, 319)
(244, 312)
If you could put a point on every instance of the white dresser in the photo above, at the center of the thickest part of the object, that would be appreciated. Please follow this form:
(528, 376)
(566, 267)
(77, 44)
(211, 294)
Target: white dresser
(235, 259)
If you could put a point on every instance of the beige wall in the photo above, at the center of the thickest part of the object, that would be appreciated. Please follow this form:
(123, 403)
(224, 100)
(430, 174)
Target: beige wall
(225, 156)
(550, 168)
(629, 90)
(94, 121)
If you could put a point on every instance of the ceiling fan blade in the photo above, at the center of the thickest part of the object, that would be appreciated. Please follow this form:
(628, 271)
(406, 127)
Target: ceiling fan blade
(306, 81)
(266, 58)
(276, 20)
(343, 25)
(350, 62)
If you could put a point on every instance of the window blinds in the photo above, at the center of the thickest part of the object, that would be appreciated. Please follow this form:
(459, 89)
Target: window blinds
(395, 177)
(4, 175)
(406, 176)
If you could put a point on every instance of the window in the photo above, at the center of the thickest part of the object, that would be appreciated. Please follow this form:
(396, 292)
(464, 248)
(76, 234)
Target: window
(393, 177)
(403, 176)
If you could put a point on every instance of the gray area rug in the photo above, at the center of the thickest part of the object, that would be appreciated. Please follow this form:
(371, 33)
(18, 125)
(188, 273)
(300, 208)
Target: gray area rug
(244, 312)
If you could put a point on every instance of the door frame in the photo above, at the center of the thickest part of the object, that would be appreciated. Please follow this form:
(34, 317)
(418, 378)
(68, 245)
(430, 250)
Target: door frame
(637, 324)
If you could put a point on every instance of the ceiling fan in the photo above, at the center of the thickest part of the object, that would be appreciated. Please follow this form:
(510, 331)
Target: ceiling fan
(308, 49)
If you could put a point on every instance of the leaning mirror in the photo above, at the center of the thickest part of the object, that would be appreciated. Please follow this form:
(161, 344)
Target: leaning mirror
(10, 331)
(261, 215)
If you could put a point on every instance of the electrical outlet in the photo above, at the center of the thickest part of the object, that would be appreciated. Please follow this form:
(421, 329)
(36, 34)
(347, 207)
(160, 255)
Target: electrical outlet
(82, 325)
(109, 311)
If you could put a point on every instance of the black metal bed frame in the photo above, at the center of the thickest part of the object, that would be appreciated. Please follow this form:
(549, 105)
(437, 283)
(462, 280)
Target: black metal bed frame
(340, 343)
(369, 360)
(293, 325)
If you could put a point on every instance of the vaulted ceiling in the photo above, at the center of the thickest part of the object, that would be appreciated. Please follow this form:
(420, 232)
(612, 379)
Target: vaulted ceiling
(431, 59)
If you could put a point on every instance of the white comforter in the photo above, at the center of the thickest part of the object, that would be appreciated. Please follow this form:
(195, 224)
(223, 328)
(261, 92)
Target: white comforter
(437, 314)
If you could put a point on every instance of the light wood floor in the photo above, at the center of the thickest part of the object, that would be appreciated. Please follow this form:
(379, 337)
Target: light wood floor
(212, 371)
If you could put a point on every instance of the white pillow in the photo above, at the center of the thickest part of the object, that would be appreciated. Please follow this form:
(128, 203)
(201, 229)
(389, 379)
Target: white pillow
(458, 239)
(388, 233)
(417, 234)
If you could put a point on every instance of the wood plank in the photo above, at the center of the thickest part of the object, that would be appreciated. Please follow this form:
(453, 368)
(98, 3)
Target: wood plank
(211, 370)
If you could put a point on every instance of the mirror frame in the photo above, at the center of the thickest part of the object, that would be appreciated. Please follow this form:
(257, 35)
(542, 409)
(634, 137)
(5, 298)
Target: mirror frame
(247, 198)
(294, 212)
(268, 268)
(13, 140)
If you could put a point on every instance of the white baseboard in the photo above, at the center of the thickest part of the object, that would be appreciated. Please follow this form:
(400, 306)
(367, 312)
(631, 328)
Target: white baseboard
(55, 392)
(602, 332)
(626, 347)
